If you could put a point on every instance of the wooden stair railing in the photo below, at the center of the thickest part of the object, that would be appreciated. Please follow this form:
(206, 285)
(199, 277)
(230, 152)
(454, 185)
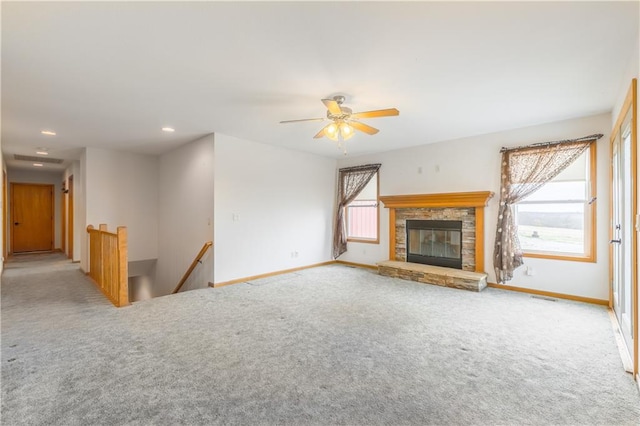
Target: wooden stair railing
(186, 275)
(108, 263)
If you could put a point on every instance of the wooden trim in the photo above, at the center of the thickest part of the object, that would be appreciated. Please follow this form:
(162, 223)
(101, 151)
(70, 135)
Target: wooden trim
(269, 274)
(626, 106)
(558, 257)
(453, 199)
(70, 217)
(63, 218)
(123, 266)
(550, 294)
(593, 210)
(634, 202)
(479, 200)
(5, 217)
(392, 234)
(479, 260)
(634, 166)
(193, 265)
(357, 265)
(630, 104)
(356, 240)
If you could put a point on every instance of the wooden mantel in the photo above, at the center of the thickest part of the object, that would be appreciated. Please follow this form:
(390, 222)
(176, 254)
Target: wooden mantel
(452, 199)
(479, 200)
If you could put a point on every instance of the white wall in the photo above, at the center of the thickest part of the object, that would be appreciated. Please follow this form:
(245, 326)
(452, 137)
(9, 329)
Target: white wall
(473, 164)
(186, 210)
(45, 177)
(282, 202)
(121, 189)
(632, 71)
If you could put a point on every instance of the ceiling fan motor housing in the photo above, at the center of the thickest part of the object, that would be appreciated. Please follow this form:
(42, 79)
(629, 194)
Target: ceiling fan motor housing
(346, 113)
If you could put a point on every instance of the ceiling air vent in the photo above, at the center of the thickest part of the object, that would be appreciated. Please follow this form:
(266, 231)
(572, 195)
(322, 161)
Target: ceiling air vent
(37, 159)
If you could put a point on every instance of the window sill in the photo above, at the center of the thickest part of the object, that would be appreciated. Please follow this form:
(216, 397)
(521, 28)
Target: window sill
(561, 256)
(363, 240)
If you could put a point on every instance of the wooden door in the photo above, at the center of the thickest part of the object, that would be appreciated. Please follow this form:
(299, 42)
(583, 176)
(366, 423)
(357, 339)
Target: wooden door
(31, 217)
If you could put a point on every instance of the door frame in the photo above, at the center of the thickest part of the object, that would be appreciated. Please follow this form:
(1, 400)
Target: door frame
(5, 215)
(53, 209)
(70, 218)
(63, 218)
(630, 104)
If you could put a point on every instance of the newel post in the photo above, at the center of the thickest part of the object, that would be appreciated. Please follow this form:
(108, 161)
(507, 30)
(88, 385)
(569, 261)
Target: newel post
(123, 267)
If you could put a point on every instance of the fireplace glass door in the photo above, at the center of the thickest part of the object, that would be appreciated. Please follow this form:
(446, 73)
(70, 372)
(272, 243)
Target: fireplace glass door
(435, 242)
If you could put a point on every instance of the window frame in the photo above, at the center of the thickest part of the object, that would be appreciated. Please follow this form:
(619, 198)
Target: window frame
(377, 202)
(590, 228)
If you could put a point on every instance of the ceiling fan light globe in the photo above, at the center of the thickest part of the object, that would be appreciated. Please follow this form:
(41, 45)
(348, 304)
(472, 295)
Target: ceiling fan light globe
(331, 131)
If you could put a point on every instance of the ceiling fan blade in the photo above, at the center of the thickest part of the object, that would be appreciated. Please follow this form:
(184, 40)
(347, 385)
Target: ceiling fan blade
(363, 127)
(376, 113)
(321, 132)
(332, 106)
(304, 119)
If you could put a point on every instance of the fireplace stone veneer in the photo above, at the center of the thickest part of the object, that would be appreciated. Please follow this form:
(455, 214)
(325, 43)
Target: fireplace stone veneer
(467, 207)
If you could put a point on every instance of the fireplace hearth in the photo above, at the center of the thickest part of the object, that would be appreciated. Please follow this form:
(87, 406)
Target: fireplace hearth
(446, 227)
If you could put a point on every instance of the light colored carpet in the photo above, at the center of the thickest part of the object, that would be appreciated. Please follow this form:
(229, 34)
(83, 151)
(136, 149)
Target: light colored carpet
(328, 345)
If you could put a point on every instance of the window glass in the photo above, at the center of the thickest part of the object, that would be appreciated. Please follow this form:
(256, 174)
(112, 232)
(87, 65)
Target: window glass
(556, 219)
(362, 214)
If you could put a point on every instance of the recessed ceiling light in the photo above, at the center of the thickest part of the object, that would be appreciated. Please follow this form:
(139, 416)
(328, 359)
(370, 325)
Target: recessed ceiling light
(37, 164)
(42, 152)
(48, 133)
(168, 129)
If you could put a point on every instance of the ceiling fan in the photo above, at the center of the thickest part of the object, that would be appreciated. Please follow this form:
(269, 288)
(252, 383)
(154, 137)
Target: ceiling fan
(344, 121)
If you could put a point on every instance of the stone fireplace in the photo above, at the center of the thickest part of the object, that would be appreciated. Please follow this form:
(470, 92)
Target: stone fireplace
(463, 208)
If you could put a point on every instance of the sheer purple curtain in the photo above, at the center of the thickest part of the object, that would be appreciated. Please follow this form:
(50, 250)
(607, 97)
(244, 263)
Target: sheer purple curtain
(523, 171)
(351, 181)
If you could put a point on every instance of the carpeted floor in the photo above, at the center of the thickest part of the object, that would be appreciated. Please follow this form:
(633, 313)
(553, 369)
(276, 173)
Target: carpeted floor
(328, 345)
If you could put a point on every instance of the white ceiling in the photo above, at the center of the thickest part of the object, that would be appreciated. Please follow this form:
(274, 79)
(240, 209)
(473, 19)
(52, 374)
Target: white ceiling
(112, 74)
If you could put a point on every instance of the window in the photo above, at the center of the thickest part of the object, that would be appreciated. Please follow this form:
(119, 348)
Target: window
(362, 214)
(558, 220)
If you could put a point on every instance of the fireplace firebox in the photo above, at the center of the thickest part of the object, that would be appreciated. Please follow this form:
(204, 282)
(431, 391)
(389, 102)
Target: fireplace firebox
(435, 242)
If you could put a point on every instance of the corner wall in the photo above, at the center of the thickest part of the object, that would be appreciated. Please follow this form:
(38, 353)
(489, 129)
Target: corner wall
(473, 164)
(270, 203)
(185, 213)
(120, 189)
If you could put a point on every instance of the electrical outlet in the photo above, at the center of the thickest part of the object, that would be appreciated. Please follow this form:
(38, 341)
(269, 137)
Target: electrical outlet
(530, 272)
